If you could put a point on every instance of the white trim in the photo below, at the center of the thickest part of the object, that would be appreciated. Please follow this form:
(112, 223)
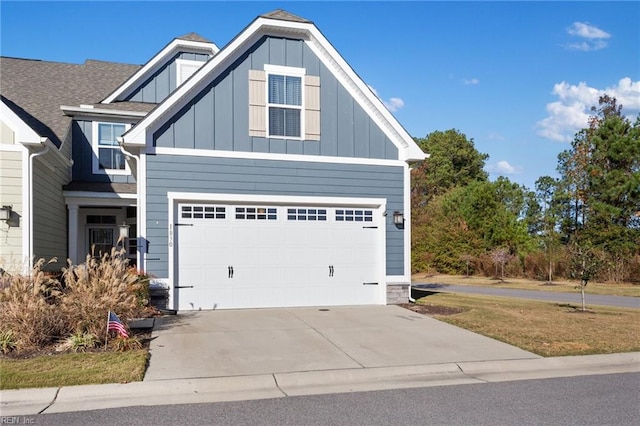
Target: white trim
(93, 200)
(22, 132)
(380, 204)
(101, 113)
(26, 207)
(142, 211)
(158, 60)
(408, 150)
(275, 157)
(407, 224)
(280, 69)
(95, 147)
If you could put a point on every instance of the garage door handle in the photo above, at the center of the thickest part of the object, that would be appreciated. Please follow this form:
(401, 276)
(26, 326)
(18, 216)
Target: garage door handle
(184, 224)
(330, 270)
(230, 271)
(370, 227)
(184, 286)
(369, 283)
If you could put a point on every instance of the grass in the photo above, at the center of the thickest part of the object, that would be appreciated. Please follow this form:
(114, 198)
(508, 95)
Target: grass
(73, 369)
(563, 286)
(547, 329)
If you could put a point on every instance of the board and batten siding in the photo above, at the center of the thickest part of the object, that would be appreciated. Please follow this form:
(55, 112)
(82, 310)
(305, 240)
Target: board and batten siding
(218, 117)
(11, 255)
(49, 211)
(83, 156)
(166, 173)
(157, 87)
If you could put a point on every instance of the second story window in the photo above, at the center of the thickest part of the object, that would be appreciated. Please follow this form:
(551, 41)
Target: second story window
(108, 158)
(285, 106)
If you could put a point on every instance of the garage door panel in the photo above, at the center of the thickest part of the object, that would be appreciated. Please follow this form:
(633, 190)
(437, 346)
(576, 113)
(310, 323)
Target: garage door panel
(304, 259)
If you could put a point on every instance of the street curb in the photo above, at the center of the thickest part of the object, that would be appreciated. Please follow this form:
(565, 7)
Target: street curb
(278, 385)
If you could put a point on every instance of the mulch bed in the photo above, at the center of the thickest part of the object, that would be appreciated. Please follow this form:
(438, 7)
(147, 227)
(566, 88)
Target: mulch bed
(431, 309)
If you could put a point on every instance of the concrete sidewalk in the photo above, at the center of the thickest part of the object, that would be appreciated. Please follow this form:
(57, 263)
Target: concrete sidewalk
(263, 386)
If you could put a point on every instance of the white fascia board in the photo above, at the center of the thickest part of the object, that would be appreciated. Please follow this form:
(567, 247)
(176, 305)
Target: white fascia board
(151, 66)
(408, 150)
(23, 133)
(101, 113)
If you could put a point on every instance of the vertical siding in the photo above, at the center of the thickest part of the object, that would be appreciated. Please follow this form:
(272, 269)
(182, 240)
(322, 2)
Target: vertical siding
(345, 129)
(83, 157)
(162, 82)
(242, 176)
(49, 211)
(11, 256)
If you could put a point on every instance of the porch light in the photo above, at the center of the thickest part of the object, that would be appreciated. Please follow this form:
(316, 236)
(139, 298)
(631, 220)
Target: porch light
(5, 213)
(398, 218)
(123, 232)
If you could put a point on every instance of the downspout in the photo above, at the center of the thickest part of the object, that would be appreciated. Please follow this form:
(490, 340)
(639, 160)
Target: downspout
(138, 192)
(29, 209)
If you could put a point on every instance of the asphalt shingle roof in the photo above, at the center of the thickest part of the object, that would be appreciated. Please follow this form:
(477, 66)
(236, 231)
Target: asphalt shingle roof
(36, 89)
(194, 37)
(283, 15)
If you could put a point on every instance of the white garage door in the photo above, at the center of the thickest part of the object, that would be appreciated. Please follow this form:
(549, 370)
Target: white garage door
(240, 256)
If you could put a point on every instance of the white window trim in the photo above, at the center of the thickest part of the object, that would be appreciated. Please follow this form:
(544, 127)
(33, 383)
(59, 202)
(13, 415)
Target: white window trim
(185, 63)
(287, 72)
(95, 147)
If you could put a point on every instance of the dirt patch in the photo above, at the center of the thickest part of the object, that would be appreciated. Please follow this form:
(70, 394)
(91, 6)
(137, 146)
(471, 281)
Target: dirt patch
(432, 309)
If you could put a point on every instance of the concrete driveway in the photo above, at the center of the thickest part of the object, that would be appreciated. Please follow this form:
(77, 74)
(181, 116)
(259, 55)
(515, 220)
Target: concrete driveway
(227, 343)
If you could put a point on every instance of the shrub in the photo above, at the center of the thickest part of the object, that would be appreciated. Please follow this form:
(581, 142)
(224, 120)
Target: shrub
(122, 344)
(29, 308)
(80, 342)
(96, 287)
(7, 341)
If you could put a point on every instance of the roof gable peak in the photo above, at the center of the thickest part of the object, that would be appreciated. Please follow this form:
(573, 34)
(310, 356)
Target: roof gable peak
(283, 15)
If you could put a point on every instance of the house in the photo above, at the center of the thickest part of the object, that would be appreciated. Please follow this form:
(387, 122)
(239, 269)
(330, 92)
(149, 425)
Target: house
(262, 174)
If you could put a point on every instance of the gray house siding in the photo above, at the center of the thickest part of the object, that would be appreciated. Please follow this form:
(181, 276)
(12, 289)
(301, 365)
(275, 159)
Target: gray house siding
(167, 173)
(163, 82)
(49, 210)
(218, 118)
(83, 157)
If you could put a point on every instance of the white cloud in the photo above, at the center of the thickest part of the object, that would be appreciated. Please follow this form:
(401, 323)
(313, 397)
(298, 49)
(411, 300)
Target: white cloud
(583, 29)
(392, 104)
(571, 111)
(503, 167)
(471, 82)
(593, 37)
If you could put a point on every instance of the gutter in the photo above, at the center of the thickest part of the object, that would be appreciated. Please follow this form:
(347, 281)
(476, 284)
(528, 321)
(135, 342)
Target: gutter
(136, 158)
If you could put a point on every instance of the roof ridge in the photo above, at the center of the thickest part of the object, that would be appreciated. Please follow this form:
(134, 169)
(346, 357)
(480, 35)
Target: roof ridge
(192, 36)
(283, 15)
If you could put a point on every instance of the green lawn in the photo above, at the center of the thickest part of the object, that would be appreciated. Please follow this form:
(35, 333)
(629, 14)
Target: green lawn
(73, 369)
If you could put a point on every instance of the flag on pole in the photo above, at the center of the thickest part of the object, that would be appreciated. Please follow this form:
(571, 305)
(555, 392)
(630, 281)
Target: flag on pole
(116, 325)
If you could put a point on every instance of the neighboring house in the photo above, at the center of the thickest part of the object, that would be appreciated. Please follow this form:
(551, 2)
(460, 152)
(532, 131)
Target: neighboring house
(263, 174)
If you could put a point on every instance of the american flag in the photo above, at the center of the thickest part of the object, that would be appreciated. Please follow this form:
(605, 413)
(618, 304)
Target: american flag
(116, 325)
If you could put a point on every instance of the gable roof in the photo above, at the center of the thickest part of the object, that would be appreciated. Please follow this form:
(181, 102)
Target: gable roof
(34, 90)
(280, 23)
(191, 42)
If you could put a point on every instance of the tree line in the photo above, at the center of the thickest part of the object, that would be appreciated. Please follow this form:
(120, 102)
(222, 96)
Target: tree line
(583, 224)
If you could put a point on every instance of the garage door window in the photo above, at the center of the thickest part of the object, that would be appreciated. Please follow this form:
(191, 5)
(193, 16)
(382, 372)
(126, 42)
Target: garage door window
(354, 215)
(203, 212)
(300, 214)
(256, 213)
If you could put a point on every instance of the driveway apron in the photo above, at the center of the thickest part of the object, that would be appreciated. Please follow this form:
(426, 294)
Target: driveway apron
(264, 341)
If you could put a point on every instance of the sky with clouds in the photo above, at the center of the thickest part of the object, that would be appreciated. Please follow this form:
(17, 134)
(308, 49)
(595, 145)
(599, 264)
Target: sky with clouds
(519, 78)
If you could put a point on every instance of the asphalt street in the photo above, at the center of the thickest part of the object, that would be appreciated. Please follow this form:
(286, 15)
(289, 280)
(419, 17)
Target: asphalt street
(573, 298)
(584, 400)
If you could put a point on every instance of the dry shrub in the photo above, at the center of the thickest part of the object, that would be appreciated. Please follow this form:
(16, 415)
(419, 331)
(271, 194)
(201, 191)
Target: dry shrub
(96, 287)
(29, 308)
(536, 266)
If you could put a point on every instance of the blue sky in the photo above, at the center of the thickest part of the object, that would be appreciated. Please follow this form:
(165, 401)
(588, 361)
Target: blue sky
(517, 77)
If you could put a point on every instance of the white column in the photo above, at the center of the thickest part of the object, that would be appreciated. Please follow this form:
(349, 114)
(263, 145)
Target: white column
(73, 233)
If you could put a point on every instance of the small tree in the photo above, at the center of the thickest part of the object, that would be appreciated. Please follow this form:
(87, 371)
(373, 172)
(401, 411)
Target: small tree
(467, 259)
(584, 265)
(500, 256)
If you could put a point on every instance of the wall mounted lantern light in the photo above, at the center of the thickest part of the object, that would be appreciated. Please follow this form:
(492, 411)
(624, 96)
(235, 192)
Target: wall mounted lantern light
(5, 213)
(123, 232)
(398, 218)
